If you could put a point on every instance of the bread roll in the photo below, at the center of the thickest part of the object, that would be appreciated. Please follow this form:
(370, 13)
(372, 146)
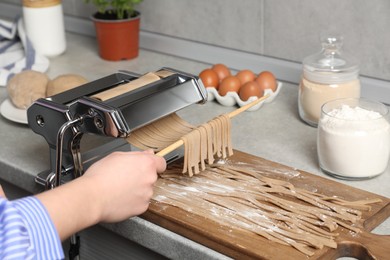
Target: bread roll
(26, 87)
(63, 83)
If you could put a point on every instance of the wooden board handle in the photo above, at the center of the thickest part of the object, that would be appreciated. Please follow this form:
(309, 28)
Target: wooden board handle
(362, 246)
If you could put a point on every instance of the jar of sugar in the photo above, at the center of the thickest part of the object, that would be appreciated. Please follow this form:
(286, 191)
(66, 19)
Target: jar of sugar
(327, 75)
(353, 139)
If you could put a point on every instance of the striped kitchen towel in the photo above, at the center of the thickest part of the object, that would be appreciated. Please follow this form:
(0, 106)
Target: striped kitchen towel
(17, 52)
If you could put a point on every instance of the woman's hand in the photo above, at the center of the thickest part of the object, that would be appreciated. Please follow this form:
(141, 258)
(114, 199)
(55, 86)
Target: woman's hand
(117, 187)
(123, 183)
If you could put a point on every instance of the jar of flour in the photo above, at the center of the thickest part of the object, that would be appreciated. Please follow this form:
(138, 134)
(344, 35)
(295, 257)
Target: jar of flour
(353, 139)
(327, 75)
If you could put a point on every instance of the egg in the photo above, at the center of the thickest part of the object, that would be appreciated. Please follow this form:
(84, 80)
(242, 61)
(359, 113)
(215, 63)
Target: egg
(266, 80)
(221, 70)
(250, 89)
(229, 84)
(245, 76)
(209, 78)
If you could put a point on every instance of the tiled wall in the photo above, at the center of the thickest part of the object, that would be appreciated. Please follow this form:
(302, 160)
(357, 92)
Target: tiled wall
(284, 29)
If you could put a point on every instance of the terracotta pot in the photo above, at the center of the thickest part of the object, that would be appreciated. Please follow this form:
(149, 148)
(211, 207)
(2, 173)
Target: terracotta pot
(118, 39)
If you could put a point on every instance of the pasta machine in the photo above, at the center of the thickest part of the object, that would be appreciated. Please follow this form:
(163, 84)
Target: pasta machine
(64, 118)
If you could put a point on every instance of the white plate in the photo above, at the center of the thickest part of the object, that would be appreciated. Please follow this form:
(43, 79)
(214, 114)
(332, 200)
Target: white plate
(9, 111)
(232, 98)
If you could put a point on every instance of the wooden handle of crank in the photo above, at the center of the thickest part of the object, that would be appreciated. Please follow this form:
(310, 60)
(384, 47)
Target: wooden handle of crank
(232, 114)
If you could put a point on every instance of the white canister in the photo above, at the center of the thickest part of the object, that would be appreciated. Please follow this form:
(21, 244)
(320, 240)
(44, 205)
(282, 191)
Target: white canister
(44, 23)
(353, 138)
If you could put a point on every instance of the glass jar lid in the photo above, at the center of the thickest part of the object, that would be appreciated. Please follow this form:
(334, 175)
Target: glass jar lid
(331, 65)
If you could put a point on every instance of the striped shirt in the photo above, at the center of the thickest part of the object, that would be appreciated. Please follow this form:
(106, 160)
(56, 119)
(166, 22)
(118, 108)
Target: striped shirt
(26, 231)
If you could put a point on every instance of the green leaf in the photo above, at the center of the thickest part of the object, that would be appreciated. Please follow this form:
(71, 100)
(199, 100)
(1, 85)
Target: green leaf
(120, 7)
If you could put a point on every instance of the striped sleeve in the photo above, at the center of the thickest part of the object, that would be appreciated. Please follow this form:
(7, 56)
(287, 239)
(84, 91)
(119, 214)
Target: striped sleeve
(27, 232)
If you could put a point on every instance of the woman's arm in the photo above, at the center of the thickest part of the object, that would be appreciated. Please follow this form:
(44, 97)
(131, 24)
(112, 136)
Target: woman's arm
(117, 187)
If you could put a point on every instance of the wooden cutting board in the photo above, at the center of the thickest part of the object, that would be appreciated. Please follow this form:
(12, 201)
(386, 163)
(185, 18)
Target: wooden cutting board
(239, 244)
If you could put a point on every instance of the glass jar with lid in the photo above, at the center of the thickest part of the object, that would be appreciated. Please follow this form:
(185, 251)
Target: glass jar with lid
(327, 75)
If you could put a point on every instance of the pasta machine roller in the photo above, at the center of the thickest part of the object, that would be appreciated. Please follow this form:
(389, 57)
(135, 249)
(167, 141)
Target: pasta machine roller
(64, 118)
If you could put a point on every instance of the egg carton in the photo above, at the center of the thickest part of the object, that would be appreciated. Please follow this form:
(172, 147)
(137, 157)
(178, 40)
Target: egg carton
(233, 99)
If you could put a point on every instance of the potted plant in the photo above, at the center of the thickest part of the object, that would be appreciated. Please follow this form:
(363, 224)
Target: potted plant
(117, 26)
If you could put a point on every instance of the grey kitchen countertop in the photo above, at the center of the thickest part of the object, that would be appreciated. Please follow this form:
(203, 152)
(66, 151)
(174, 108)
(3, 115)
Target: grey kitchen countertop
(274, 132)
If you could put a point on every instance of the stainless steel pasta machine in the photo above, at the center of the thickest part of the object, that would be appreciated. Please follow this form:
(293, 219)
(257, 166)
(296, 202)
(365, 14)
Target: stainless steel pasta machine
(64, 118)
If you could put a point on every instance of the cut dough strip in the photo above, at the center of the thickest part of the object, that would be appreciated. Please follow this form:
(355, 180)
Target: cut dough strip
(232, 114)
(160, 134)
(246, 199)
(201, 144)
